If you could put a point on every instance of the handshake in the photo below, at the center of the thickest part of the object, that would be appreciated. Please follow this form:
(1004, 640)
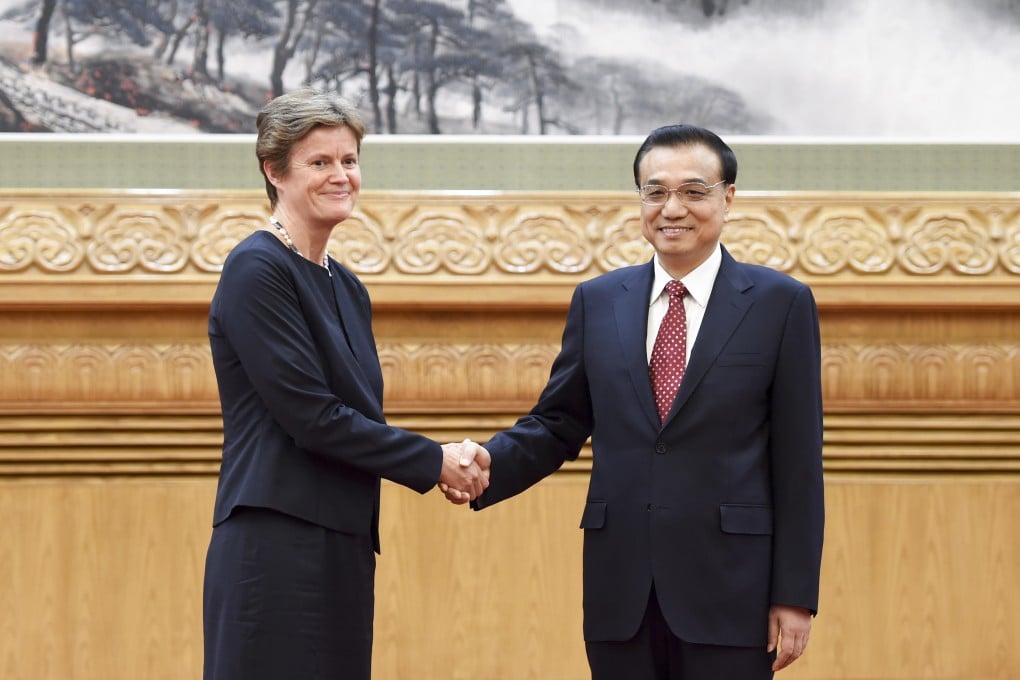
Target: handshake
(465, 473)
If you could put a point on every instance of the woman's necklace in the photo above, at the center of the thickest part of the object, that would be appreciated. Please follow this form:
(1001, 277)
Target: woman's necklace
(290, 243)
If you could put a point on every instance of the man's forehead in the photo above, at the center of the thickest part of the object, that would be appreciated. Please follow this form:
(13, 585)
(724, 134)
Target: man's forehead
(697, 157)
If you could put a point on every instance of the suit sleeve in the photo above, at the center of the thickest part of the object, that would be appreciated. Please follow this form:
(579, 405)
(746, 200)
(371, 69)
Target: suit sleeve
(796, 459)
(555, 429)
(261, 317)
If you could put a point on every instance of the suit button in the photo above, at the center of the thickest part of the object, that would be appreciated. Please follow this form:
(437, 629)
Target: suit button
(660, 448)
(648, 507)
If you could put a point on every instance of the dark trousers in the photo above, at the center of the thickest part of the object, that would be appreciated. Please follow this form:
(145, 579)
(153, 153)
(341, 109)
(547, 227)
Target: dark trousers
(287, 599)
(654, 653)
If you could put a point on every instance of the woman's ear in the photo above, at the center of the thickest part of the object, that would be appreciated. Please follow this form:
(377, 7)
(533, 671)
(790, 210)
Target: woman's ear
(270, 175)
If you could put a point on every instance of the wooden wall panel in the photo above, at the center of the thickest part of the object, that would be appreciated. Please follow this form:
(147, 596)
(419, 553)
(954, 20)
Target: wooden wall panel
(110, 432)
(102, 580)
(102, 577)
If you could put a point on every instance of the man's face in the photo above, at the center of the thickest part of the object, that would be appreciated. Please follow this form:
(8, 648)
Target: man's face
(684, 233)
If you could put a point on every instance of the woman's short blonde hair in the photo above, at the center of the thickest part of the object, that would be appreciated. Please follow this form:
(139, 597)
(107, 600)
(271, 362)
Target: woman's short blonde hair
(285, 120)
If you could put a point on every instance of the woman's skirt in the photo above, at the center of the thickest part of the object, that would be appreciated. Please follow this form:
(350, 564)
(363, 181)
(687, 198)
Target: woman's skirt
(285, 598)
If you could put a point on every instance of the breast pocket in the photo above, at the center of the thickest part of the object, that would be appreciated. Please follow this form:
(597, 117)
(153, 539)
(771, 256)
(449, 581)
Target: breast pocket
(735, 378)
(737, 359)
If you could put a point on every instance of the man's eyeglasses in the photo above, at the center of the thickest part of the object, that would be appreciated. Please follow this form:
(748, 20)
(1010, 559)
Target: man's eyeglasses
(692, 192)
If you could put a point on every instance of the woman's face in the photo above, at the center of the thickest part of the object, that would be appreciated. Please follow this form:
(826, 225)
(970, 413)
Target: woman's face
(321, 186)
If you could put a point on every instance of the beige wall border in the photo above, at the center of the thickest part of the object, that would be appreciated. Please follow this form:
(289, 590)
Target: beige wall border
(104, 295)
(110, 432)
(480, 248)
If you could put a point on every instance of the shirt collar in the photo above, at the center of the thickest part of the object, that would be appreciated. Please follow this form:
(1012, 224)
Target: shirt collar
(698, 282)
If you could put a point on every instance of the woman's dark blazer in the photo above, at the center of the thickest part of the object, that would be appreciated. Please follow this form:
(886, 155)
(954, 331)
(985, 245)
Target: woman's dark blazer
(301, 390)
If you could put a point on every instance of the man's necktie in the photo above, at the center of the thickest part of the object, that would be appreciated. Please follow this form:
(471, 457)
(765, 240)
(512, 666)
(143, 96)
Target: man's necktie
(669, 354)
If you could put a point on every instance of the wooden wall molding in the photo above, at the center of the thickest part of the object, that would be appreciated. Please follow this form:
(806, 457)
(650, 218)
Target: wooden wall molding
(104, 295)
(981, 375)
(122, 376)
(876, 444)
(488, 377)
(110, 432)
(900, 244)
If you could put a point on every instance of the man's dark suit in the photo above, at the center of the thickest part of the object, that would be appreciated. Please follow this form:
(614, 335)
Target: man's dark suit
(721, 506)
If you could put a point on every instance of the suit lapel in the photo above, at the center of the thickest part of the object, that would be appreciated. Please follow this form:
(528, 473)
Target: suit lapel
(726, 308)
(630, 309)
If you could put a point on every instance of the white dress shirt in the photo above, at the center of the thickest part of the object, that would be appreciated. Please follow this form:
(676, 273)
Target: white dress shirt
(699, 285)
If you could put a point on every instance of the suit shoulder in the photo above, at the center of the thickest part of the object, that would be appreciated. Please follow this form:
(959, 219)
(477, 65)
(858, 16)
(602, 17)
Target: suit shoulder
(614, 279)
(768, 276)
(766, 284)
(254, 248)
(253, 265)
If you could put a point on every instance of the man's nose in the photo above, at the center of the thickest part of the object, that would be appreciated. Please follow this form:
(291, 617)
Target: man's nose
(674, 205)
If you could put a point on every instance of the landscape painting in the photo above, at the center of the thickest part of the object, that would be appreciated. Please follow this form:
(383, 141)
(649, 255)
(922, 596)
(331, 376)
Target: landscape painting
(928, 69)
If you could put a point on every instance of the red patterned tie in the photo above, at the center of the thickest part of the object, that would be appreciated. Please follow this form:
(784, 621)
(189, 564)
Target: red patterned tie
(669, 354)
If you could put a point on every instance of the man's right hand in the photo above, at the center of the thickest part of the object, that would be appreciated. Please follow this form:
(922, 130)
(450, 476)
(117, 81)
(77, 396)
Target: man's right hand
(465, 473)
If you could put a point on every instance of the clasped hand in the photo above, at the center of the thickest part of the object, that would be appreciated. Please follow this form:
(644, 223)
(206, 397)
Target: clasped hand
(465, 473)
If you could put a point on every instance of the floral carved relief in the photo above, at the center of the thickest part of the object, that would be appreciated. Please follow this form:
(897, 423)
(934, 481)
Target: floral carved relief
(950, 242)
(405, 235)
(41, 239)
(479, 373)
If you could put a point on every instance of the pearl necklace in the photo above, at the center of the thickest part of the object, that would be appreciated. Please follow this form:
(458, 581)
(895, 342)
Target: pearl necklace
(290, 243)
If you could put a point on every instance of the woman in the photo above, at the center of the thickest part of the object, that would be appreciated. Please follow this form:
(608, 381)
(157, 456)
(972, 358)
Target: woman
(290, 569)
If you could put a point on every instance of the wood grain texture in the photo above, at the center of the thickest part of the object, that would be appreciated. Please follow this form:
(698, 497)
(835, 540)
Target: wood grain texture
(110, 431)
(102, 581)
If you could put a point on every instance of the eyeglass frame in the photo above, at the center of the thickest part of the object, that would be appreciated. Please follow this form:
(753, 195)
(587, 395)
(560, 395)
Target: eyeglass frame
(676, 190)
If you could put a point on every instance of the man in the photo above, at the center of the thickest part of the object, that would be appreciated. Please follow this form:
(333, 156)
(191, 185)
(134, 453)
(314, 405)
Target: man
(703, 523)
